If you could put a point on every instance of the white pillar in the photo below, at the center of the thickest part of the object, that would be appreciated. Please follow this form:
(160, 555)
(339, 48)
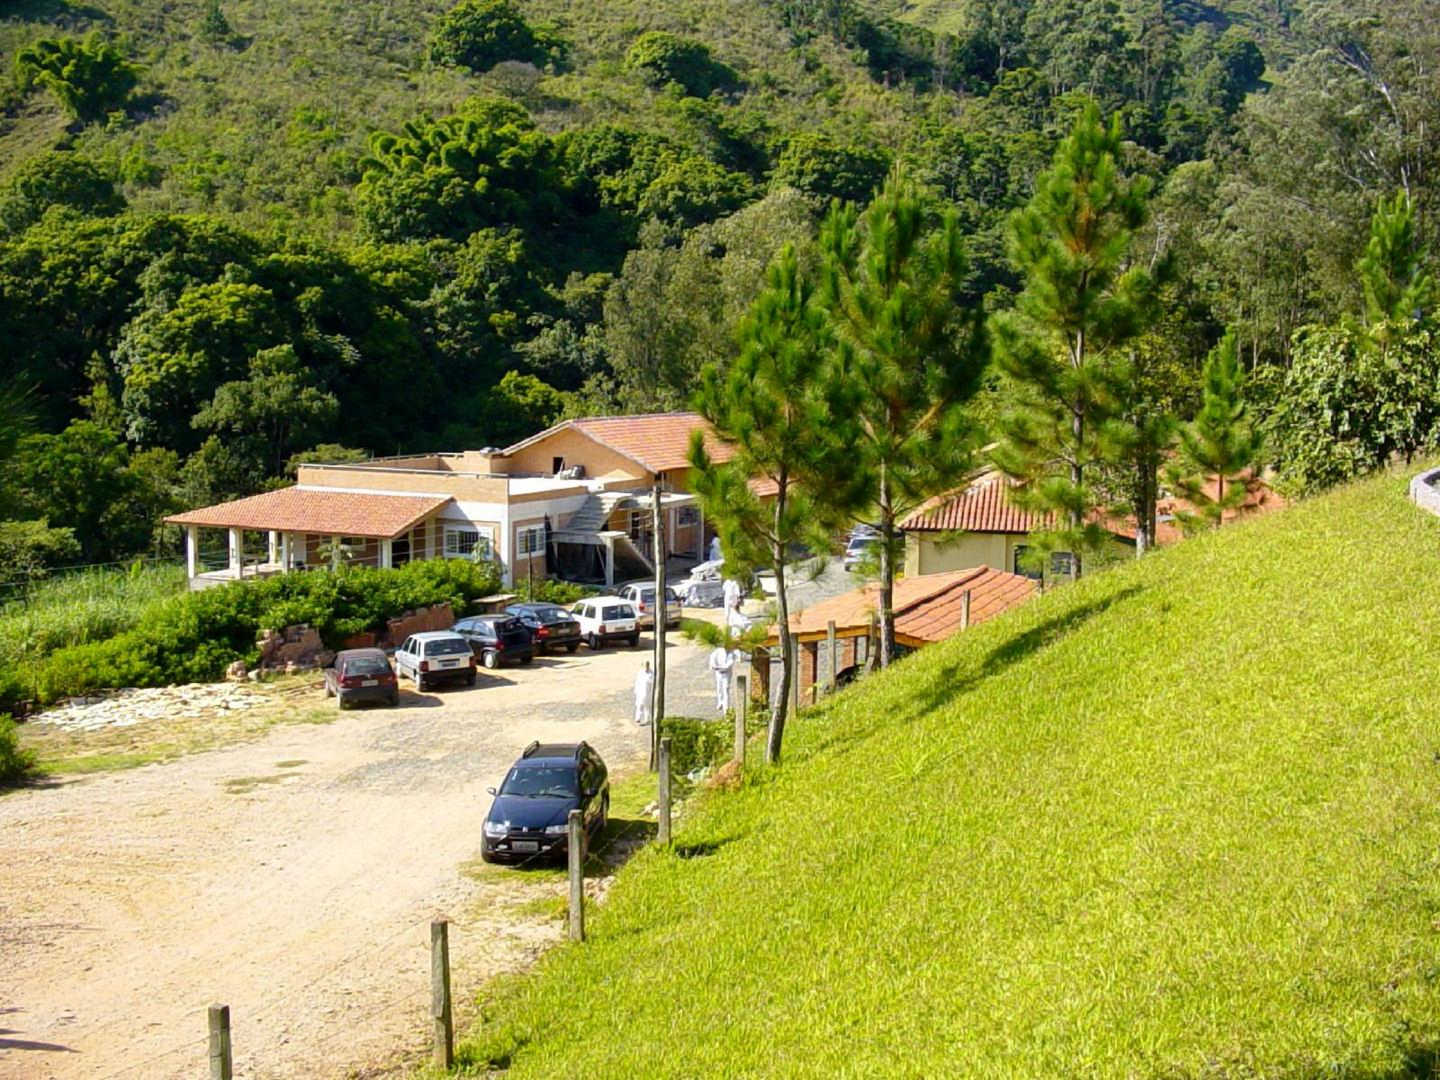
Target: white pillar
(272, 547)
(285, 551)
(235, 565)
(609, 561)
(192, 551)
(334, 553)
(385, 555)
(430, 527)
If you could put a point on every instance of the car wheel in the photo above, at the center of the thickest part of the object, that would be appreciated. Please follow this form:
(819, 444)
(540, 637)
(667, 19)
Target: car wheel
(395, 699)
(485, 856)
(594, 642)
(490, 659)
(339, 702)
(572, 647)
(420, 684)
(327, 689)
(527, 658)
(634, 639)
(470, 679)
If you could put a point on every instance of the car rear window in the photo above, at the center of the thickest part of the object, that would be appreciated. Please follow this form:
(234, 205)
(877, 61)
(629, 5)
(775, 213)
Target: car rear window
(553, 615)
(447, 647)
(618, 611)
(366, 665)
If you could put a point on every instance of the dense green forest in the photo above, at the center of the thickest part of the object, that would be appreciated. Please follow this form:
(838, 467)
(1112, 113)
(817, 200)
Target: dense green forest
(232, 233)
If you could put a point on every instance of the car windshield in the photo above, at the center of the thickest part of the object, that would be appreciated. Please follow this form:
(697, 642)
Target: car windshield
(447, 647)
(505, 626)
(860, 543)
(366, 665)
(541, 781)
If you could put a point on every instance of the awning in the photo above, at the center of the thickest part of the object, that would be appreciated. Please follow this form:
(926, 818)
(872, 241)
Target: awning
(331, 513)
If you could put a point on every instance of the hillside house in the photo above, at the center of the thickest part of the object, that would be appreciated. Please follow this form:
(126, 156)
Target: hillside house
(573, 500)
(978, 525)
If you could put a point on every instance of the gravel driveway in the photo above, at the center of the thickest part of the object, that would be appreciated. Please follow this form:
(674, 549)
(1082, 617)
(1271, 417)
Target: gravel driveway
(292, 878)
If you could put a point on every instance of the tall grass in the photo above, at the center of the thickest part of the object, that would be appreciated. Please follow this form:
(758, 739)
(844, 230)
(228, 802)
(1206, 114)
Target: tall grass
(1179, 819)
(73, 609)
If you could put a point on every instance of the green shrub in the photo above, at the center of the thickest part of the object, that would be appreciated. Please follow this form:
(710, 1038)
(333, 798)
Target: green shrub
(668, 58)
(15, 762)
(547, 591)
(695, 743)
(89, 78)
(478, 34)
(194, 636)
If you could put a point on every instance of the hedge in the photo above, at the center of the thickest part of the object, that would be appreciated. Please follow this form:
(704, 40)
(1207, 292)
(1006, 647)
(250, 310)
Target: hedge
(194, 637)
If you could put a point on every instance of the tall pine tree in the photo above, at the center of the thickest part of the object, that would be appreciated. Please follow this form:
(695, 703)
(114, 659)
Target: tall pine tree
(1392, 271)
(770, 408)
(1219, 445)
(910, 355)
(1059, 347)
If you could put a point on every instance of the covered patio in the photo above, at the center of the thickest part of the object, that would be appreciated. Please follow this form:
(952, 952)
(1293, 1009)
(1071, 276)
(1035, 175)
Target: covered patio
(303, 529)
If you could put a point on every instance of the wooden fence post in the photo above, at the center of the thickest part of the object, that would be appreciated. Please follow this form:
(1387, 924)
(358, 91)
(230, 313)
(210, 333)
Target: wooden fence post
(742, 709)
(794, 677)
(965, 611)
(440, 1011)
(664, 832)
(832, 644)
(576, 852)
(220, 1066)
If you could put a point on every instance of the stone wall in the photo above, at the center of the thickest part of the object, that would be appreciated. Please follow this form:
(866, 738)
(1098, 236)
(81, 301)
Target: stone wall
(438, 617)
(1423, 491)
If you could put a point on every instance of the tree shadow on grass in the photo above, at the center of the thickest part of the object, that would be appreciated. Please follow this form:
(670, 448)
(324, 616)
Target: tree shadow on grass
(954, 681)
(1422, 1061)
(70, 16)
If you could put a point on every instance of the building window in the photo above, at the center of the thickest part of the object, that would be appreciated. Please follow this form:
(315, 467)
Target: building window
(1022, 552)
(467, 542)
(400, 550)
(530, 540)
(557, 466)
(1062, 564)
(687, 515)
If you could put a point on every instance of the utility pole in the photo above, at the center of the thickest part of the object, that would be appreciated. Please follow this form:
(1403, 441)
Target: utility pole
(657, 702)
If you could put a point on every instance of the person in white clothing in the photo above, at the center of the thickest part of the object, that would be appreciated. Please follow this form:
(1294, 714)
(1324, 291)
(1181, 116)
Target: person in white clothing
(722, 663)
(644, 695)
(731, 595)
(715, 555)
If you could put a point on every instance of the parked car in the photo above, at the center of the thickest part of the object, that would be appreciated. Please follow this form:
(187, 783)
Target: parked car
(606, 618)
(497, 639)
(528, 817)
(361, 675)
(550, 625)
(642, 596)
(701, 593)
(859, 549)
(433, 656)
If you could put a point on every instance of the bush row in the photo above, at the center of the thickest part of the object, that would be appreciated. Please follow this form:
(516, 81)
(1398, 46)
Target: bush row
(195, 636)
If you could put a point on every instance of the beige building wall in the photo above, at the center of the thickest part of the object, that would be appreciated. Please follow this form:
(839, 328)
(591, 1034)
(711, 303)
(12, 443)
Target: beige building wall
(574, 448)
(474, 488)
(926, 556)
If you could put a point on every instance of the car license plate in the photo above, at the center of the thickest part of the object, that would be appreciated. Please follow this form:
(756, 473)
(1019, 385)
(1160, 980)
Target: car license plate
(369, 682)
(526, 845)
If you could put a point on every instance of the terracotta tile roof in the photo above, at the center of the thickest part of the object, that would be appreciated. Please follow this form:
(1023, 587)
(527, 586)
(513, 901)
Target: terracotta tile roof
(658, 442)
(927, 606)
(981, 507)
(334, 513)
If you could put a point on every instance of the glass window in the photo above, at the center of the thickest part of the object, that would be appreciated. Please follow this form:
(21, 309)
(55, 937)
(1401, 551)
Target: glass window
(1062, 562)
(447, 647)
(530, 540)
(1019, 567)
(541, 780)
(687, 515)
(465, 542)
(366, 665)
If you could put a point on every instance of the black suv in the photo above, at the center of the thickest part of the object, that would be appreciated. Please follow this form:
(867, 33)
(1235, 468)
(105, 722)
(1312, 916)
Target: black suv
(528, 818)
(549, 624)
(497, 639)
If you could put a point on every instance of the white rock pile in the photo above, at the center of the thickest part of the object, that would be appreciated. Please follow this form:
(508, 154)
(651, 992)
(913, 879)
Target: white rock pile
(125, 708)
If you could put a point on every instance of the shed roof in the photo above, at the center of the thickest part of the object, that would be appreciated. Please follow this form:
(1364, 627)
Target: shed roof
(983, 506)
(928, 607)
(308, 510)
(658, 442)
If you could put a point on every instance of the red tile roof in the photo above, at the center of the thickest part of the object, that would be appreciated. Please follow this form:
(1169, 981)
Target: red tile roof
(981, 507)
(302, 510)
(927, 606)
(658, 442)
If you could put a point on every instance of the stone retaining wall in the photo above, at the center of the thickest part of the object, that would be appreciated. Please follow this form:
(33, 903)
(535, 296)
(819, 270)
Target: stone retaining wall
(1424, 493)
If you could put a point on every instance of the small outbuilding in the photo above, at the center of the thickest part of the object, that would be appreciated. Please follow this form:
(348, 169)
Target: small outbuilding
(928, 608)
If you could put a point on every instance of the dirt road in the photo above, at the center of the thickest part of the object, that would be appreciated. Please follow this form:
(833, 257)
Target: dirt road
(293, 878)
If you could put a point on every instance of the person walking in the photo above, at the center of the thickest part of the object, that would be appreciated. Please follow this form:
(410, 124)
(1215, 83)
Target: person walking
(722, 663)
(715, 555)
(644, 695)
(731, 593)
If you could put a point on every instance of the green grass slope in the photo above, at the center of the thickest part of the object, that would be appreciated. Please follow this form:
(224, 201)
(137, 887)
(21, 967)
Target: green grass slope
(1182, 819)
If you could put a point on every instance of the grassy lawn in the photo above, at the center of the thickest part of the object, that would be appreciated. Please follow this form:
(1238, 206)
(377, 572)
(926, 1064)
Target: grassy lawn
(1179, 819)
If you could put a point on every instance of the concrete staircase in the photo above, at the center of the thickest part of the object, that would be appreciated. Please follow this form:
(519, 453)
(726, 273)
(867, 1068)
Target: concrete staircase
(594, 512)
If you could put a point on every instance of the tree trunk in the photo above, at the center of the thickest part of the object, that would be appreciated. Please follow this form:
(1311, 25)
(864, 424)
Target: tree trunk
(779, 706)
(887, 573)
(657, 700)
(1077, 431)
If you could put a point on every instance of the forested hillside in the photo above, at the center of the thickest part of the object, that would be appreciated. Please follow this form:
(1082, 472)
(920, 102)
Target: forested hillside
(234, 232)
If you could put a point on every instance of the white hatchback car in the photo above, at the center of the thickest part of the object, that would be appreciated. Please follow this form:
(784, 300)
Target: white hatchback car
(433, 655)
(606, 618)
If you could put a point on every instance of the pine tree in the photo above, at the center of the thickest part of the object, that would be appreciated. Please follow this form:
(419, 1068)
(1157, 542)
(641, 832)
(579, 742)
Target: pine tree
(1392, 270)
(1218, 444)
(910, 356)
(1059, 347)
(770, 408)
